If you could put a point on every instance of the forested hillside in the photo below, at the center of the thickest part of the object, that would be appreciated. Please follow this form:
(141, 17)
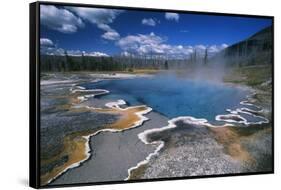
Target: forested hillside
(256, 50)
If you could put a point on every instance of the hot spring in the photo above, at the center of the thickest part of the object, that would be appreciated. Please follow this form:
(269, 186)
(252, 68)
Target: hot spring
(175, 96)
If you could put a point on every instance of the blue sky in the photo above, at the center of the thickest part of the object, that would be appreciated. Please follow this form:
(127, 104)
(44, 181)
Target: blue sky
(102, 32)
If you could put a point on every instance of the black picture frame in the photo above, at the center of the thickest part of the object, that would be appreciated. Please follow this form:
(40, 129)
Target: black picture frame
(34, 92)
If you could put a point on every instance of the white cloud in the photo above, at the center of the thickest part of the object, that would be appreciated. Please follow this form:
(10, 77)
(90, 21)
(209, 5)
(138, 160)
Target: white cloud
(51, 51)
(125, 53)
(172, 16)
(74, 52)
(211, 49)
(61, 52)
(100, 17)
(46, 42)
(151, 45)
(59, 19)
(224, 46)
(104, 27)
(96, 15)
(216, 48)
(47, 47)
(111, 35)
(200, 47)
(148, 22)
(69, 19)
(96, 54)
(141, 44)
(91, 54)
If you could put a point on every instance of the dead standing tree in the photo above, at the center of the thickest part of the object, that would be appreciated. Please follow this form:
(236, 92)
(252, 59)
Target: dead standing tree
(206, 56)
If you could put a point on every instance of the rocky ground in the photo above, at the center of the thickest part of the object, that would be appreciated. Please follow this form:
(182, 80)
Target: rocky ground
(59, 120)
(113, 154)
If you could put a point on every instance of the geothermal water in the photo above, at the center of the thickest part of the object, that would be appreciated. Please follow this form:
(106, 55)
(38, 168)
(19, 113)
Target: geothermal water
(173, 96)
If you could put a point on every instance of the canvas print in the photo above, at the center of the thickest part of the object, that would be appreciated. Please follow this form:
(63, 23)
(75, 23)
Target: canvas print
(134, 94)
